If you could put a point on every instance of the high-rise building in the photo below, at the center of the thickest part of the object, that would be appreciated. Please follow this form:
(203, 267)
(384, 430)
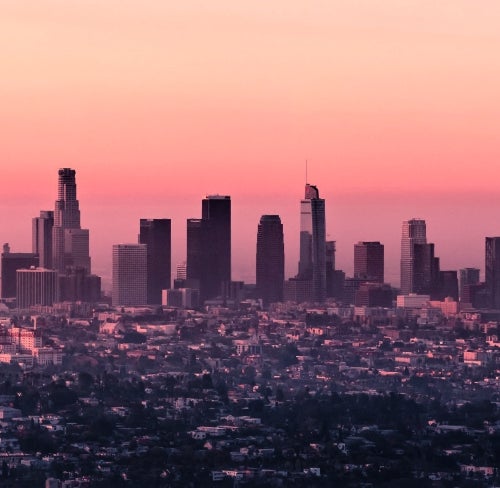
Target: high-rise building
(413, 232)
(492, 270)
(425, 271)
(42, 237)
(312, 263)
(11, 262)
(270, 259)
(209, 248)
(70, 243)
(369, 261)
(78, 286)
(330, 268)
(156, 234)
(37, 286)
(129, 274)
(467, 276)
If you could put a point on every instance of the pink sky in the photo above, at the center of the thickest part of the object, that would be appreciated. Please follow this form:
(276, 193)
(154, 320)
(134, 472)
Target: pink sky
(157, 103)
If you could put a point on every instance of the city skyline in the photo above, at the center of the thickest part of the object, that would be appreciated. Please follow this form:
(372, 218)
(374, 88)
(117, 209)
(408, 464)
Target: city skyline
(394, 105)
(246, 255)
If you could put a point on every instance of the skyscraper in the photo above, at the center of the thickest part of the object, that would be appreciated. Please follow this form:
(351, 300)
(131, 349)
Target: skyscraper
(413, 232)
(156, 234)
(129, 274)
(70, 243)
(312, 263)
(270, 259)
(492, 270)
(42, 237)
(467, 276)
(369, 261)
(209, 247)
(10, 263)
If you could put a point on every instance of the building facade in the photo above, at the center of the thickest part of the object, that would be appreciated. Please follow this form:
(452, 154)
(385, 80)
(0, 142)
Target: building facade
(156, 234)
(492, 270)
(270, 259)
(208, 264)
(129, 275)
(42, 237)
(413, 232)
(10, 263)
(37, 286)
(369, 261)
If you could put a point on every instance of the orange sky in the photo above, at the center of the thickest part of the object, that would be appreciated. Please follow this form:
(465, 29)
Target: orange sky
(157, 103)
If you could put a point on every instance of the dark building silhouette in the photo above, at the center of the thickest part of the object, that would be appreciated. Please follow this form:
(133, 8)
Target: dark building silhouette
(156, 234)
(42, 237)
(447, 285)
(425, 271)
(208, 263)
(492, 270)
(475, 295)
(351, 287)
(70, 243)
(330, 267)
(11, 262)
(373, 295)
(467, 276)
(79, 286)
(270, 259)
(413, 232)
(369, 261)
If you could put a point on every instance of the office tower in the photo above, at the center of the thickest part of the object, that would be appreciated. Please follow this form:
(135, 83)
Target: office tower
(42, 237)
(312, 263)
(208, 264)
(413, 232)
(373, 295)
(216, 210)
(129, 274)
(369, 261)
(425, 271)
(467, 276)
(270, 259)
(447, 285)
(156, 234)
(330, 268)
(10, 263)
(70, 243)
(79, 286)
(492, 270)
(37, 286)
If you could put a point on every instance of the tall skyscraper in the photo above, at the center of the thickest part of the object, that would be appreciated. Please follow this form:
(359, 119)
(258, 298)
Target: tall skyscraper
(467, 276)
(369, 261)
(10, 263)
(42, 237)
(129, 274)
(312, 263)
(492, 270)
(270, 259)
(413, 232)
(209, 247)
(156, 234)
(70, 243)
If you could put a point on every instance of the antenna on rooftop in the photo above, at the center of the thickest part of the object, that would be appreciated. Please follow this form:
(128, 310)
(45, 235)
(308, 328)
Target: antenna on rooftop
(306, 172)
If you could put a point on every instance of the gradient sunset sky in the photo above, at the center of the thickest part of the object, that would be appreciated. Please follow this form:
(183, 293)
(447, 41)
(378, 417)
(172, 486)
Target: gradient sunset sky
(156, 103)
